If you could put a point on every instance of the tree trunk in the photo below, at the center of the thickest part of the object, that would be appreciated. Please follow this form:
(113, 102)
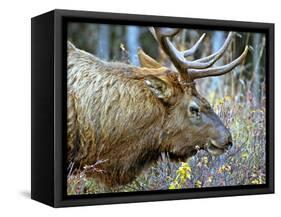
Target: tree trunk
(216, 82)
(132, 39)
(103, 42)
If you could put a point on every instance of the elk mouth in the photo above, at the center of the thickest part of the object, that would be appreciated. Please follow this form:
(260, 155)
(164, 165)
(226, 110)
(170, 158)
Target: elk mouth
(182, 157)
(214, 149)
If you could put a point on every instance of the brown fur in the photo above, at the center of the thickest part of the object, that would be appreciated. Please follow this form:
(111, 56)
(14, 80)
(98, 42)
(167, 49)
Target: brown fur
(114, 116)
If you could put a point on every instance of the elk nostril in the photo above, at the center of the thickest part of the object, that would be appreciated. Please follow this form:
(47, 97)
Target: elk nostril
(229, 139)
(230, 144)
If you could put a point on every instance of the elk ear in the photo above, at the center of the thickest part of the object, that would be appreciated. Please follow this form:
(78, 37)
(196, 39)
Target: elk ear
(158, 87)
(70, 47)
(147, 61)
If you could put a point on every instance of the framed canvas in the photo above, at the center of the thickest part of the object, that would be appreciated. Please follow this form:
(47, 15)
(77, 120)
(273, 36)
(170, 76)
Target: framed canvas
(134, 108)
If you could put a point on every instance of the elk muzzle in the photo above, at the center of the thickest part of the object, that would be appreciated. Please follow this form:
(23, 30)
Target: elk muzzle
(220, 144)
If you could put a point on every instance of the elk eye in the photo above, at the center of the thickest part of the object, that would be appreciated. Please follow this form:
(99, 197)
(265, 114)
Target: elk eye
(194, 109)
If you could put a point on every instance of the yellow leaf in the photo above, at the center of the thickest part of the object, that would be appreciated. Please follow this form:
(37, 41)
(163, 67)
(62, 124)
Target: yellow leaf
(198, 184)
(172, 186)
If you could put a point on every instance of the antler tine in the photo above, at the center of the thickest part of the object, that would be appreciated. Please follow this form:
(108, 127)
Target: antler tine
(201, 73)
(176, 56)
(208, 61)
(164, 32)
(167, 32)
(194, 48)
(191, 70)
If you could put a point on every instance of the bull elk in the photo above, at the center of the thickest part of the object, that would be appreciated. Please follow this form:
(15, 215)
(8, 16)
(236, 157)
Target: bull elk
(126, 116)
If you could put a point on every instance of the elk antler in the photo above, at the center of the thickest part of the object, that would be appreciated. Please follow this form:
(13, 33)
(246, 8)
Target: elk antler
(200, 68)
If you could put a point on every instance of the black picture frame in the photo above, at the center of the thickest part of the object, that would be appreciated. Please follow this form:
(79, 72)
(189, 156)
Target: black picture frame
(48, 46)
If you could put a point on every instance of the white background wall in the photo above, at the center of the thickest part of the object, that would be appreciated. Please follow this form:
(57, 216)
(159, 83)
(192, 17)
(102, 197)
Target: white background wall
(15, 106)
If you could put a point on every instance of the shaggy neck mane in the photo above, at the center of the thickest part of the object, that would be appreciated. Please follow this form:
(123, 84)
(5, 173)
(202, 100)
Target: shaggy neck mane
(102, 120)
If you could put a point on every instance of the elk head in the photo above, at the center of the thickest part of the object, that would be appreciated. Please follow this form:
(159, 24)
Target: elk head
(191, 123)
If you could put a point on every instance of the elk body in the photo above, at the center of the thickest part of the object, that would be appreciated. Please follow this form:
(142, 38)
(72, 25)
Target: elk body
(126, 116)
